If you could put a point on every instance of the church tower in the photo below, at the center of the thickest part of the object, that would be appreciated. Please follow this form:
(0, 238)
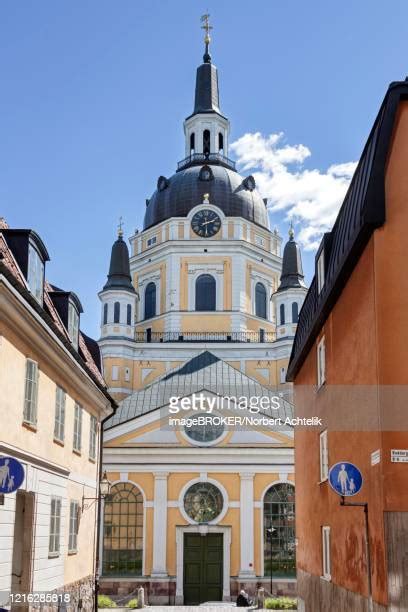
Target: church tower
(204, 269)
(292, 290)
(118, 297)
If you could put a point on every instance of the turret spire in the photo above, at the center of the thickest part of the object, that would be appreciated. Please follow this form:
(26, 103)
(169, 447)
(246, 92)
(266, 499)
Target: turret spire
(292, 270)
(119, 269)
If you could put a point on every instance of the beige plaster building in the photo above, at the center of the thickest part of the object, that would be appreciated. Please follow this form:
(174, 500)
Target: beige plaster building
(203, 304)
(52, 402)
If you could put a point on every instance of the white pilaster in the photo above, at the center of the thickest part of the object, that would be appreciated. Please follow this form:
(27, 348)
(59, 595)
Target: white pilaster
(159, 569)
(247, 526)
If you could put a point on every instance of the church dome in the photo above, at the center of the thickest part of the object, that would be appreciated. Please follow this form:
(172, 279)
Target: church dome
(235, 195)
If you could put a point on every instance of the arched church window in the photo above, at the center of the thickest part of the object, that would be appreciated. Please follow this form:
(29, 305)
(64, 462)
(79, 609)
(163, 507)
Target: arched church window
(279, 531)
(116, 312)
(123, 531)
(192, 143)
(105, 314)
(260, 300)
(282, 314)
(129, 314)
(203, 502)
(205, 293)
(295, 312)
(150, 301)
(220, 142)
(206, 142)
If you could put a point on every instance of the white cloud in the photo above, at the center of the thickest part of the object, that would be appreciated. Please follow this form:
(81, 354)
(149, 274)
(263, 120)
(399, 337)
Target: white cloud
(311, 198)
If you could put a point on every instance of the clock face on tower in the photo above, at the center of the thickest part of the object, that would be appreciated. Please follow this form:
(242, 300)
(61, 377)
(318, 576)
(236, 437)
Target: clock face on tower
(206, 223)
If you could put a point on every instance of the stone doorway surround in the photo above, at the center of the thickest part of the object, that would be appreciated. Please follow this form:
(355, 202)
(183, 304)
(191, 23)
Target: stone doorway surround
(203, 530)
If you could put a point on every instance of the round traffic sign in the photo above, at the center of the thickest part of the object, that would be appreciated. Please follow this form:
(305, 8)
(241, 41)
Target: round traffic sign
(11, 474)
(345, 478)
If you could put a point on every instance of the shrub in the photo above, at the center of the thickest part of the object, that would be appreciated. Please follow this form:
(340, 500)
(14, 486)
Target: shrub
(280, 603)
(105, 602)
(132, 604)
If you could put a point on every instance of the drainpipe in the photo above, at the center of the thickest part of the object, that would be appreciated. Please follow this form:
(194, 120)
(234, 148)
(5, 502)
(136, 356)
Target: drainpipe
(98, 522)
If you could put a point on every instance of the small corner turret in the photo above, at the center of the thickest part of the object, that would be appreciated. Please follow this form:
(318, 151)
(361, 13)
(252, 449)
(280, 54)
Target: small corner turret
(118, 296)
(292, 290)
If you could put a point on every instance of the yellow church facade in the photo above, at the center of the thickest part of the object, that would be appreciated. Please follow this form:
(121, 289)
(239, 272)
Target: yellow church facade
(203, 308)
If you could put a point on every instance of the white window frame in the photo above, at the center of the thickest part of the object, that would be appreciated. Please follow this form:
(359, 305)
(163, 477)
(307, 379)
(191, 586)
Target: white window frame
(321, 362)
(73, 526)
(115, 372)
(93, 436)
(54, 542)
(151, 241)
(326, 561)
(31, 392)
(73, 324)
(324, 456)
(59, 423)
(77, 440)
(35, 273)
(320, 272)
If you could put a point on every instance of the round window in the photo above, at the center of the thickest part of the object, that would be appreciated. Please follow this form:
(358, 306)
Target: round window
(203, 502)
(206, 432)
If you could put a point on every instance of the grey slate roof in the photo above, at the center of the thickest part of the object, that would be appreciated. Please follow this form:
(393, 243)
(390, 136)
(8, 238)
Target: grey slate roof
(119, 269)
(203, 372)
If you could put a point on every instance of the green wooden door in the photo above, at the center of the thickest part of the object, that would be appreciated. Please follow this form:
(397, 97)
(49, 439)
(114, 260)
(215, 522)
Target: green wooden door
(202, 567)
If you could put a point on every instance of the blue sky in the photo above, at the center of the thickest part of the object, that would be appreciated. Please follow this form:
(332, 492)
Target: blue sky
(94, 93)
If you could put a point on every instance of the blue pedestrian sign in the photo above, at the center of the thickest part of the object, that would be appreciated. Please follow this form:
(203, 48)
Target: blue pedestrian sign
(345, 478)
(11, 475)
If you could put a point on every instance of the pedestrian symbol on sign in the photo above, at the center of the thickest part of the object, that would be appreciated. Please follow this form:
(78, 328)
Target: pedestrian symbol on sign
(345, 479)
(11, 474)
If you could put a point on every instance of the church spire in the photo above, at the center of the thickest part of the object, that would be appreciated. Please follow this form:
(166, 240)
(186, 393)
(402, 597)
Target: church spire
(206, 92)
(292, 271)
(119, 269)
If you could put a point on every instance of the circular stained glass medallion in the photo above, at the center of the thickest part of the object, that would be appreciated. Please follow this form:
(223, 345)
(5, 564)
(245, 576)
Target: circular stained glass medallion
(203, 502)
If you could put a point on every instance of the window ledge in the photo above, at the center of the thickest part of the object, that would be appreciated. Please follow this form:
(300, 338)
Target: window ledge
(92, 460)
(29, 426)
(72, 552)
(59, 442)
(52, 555)
(326, 578)
(320, 482)
(77, 452)
(321, 386)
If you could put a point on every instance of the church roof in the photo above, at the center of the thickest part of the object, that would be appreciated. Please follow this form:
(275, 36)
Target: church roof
(119, 269)
(204, 372)
(226, 188)
(292, 270)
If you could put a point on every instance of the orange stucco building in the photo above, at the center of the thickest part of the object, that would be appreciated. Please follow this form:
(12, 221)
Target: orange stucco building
(349, 367)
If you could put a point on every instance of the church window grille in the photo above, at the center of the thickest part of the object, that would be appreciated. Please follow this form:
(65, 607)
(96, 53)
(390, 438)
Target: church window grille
(220, 142)
(129, 314)
(116, 312)
(206, 142)
(203, 502)
(105, 314)
(123, 531)
(282, 314)
(279, 526)
(205, 293)
(295, 312)
(207, 432)
(150, 301)
(260, 300)
(192, 143)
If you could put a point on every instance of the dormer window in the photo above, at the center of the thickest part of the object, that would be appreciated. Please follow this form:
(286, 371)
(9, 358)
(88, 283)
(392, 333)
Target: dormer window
(320, 272)
(73, 324)
(35, 274)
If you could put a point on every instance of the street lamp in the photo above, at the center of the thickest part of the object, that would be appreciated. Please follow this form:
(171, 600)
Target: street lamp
(270, 531)
(104, 490)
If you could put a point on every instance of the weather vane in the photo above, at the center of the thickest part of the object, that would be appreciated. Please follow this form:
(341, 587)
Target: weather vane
(205, 19)
(120, 226)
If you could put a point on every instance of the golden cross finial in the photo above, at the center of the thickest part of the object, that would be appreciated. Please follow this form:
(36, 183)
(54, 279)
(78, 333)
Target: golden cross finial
(120, 227)
(205, 19)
